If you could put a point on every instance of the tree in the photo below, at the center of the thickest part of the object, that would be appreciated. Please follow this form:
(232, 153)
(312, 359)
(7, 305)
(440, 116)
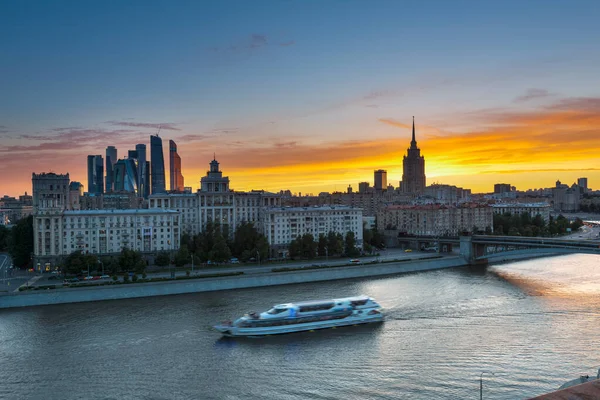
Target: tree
(183, 256)
(322, 246)
(220, 251)
(335, 243)
(4, 237)
(162, 259)
(309, 246)
(21, 242)
(350, 244)
(131, 260)
(248, 243)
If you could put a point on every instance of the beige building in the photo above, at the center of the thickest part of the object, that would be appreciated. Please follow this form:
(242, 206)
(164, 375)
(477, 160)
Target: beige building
(533, 209)
(216, 202)
(435, 220)
(59, 230)
(281, 225)
(566, 199)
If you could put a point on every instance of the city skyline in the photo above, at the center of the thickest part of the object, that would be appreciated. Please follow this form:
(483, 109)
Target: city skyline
(310, 110)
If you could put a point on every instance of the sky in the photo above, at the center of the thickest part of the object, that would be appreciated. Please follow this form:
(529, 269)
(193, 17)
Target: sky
(308, 96)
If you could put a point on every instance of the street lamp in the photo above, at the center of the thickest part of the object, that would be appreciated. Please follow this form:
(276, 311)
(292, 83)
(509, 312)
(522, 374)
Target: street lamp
(481, 383)
(192, 255)
(258, 256)
(326, 254)
(100, 262)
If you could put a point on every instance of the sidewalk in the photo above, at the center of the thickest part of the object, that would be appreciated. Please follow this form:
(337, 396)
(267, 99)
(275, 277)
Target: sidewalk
(29, 282)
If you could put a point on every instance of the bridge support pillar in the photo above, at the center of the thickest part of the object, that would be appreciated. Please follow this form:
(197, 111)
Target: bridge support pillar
(471, 251)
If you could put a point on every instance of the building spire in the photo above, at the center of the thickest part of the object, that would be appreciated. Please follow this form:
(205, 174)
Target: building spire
(413, 142)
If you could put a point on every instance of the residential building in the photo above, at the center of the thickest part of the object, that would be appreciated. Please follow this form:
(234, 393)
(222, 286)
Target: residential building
(111, 201)
(95, 170)
(157, 162)
(59, 230)
(583, 184)
(215, 202)
(380, 179)
(13, 209)
(533, 209)
(175, 168)
(447, 194)
(500, 188)
(566, 199)
(111, 160)
(281, 225)
(435, 219)
(413, 173)
(364, 187)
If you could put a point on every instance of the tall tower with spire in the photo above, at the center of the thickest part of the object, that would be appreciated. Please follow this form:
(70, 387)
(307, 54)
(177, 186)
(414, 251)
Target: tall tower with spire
(413, 173)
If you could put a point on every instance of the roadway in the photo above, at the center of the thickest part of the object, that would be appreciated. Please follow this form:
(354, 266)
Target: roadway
(10, 278)
(386, 255)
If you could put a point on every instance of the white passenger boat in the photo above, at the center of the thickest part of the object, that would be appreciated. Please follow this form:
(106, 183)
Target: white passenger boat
(305, 316)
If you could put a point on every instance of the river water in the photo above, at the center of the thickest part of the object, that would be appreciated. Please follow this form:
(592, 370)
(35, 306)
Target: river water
(533, 324)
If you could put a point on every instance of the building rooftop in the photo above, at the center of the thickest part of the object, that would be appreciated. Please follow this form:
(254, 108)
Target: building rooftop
(315, 208)
(520, 205)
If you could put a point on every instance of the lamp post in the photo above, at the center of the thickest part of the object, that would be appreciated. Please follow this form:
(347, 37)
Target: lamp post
(101, 263)
(326, 254)
(192, 263)
(481, 383)
(258, 256)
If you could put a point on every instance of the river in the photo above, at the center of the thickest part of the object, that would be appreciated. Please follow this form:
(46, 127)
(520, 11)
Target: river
(533, 324)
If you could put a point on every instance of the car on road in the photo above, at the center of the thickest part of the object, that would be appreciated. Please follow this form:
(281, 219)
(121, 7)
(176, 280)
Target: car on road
(355, 261)
(408, 251)
(55, 272)
(234, 261)
(105, 277)
(88, 278)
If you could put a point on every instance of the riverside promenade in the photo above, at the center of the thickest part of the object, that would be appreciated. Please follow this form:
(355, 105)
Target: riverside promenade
(276, 275)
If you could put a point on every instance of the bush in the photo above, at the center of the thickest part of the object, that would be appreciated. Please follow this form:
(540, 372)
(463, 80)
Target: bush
(144, 275)
(126, 278)
(134, 278)
(187, 273)
(115, 278)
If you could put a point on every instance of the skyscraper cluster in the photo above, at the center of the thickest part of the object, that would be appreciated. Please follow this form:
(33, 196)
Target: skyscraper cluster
(135, 173)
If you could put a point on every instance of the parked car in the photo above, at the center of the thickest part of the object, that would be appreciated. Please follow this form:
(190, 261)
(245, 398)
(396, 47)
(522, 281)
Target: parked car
(234, 261)
(408, 251)
(355, 261)
(105, 277)
(88, 278)
(55, 272)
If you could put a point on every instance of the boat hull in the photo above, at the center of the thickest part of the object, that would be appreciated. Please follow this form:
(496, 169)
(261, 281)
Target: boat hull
(233, 331)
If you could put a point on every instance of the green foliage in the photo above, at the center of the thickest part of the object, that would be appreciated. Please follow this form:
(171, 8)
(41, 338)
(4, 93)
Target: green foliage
(350, 245)
(115, 278)
(134, 278)
(130, 260)
(162, 259)
(322, 246)
(77, 262)
(335, 243)
(20, 244)
(4, 238)
(303, 247)
(524, 225)
(220, 251)
(183, 256)
(249, 243)
(126, 278)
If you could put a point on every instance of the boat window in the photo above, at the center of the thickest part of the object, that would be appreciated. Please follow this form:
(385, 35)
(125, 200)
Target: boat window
(274, 311)
(359, 302)
(316, 307)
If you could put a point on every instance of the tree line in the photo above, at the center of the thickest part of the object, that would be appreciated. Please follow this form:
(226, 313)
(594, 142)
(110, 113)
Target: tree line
(18, 241)
(524, 225)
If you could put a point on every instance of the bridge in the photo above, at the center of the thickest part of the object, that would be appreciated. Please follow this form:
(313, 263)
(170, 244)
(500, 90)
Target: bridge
(478, 249)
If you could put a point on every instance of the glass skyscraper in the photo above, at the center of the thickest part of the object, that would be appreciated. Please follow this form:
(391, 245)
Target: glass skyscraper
(175, 168)
(111, 160)
(126, 176)
(95, 170)
(157, 162)
(143, 182)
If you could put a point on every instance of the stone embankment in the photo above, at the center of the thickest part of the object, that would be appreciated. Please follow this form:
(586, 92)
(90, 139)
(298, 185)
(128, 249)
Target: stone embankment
(125, 291)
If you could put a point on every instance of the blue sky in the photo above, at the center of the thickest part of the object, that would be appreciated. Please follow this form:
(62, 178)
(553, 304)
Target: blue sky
(272, 72)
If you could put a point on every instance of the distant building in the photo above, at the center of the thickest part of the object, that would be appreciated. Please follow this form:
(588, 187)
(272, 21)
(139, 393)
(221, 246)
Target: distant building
(111, 160)
(12, 209)
(413, 174)
(95, 171)
(363, 187)
(583, 184)
(157, 162)
(566, 199)
(500, 188)
(143, 169)
(435, 220)
(447, 194)
(533, 209)
(111, 201)
(281, 225)
(75, 195)
(175, 168)
(380, 179)
(126, 176)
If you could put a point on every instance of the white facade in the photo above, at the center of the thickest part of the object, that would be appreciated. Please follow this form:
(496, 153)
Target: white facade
(532, 209)
(58, 230)
(281, 225)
